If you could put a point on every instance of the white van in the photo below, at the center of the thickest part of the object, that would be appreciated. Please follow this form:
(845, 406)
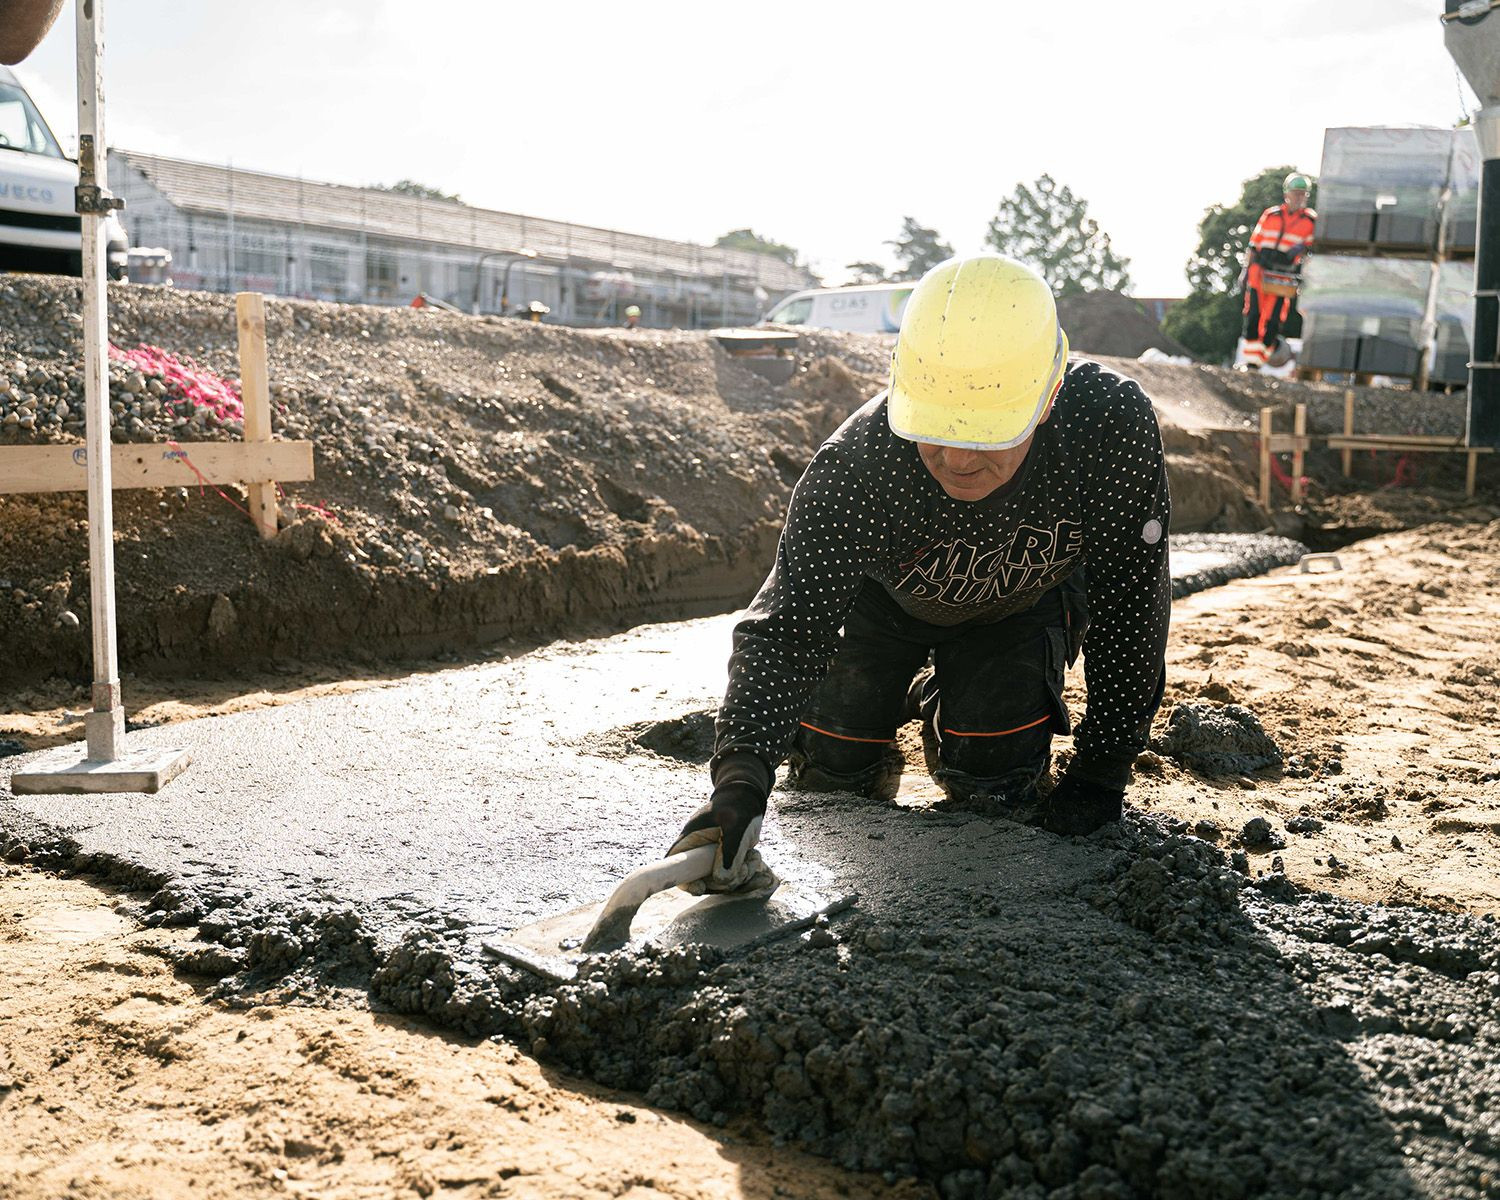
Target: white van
(39, 227)
(864, 308)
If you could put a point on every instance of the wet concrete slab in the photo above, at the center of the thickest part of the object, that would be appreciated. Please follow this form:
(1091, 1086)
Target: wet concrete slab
(488, 795)
(1004, 1012)
(1205, 560)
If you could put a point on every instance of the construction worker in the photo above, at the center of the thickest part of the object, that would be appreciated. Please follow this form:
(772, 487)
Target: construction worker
(952, 518)
(1278, 244)
(632, 316)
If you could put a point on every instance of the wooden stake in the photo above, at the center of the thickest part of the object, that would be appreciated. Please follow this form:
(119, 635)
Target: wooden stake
(1299, 429)
(1348, 455)
(255, 394)
(1265, 458)
(1470, 473)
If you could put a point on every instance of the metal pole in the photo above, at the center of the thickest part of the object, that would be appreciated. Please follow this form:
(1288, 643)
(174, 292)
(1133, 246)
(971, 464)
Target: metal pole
(1484, 367)
(1471, 33)
(105, 725)
(104, 766)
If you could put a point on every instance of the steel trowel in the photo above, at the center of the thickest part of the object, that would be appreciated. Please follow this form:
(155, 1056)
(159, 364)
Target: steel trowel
(647, 907)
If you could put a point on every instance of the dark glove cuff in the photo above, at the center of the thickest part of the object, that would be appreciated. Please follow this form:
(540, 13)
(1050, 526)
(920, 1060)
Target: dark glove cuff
(743, 769)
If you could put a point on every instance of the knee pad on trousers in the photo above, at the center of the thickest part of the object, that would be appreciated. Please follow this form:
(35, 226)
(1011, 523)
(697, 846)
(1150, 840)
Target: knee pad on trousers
(1012, 795)
(879, 781)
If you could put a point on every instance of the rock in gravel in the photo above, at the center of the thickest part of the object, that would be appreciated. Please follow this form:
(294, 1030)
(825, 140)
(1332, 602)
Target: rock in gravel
(221, 617)
(1258, 834)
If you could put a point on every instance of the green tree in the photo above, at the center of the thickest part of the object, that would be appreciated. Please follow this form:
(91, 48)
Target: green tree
(410, 187)
(918, 249)
(1049, 228)
(866, 272)
(748, 239)
(1208, 320)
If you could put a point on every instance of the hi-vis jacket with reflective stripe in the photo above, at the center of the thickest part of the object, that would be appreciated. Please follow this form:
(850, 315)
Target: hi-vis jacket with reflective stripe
(1280, 229)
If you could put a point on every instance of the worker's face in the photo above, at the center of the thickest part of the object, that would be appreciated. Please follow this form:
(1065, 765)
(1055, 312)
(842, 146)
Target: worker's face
(1295, 200)
(972, 474)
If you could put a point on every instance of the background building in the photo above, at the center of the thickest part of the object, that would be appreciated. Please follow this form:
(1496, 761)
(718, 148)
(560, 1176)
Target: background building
(230, 230)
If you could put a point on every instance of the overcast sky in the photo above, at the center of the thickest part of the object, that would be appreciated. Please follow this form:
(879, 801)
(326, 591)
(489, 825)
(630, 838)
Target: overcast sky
(820, 124)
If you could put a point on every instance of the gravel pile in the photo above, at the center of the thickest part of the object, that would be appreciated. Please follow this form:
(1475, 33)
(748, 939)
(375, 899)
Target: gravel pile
(475, 479)
(1080, 1031)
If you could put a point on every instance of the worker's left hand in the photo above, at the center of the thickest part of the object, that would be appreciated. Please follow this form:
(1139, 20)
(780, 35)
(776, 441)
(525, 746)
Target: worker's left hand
(1077, 806)
(731, 820)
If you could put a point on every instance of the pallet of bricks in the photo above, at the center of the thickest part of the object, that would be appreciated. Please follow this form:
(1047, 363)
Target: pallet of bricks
(1389, 290)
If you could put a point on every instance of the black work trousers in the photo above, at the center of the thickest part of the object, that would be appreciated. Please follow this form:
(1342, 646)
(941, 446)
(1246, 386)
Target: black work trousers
(989, 696)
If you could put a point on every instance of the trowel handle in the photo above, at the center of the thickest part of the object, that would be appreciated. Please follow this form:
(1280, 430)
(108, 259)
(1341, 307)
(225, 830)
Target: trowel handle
(640, 885)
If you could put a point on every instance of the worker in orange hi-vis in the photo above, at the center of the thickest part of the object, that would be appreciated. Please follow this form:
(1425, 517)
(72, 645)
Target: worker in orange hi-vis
(1273, 267)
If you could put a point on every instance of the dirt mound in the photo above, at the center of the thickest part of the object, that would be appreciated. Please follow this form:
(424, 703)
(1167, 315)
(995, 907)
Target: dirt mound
(1112, 323)
(476, 479)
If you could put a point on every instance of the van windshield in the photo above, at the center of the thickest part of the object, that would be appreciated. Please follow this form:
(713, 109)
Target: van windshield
(21, 126)
(794, 312)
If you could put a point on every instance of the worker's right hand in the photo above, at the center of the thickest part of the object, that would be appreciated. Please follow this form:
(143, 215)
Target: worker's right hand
(731, 820)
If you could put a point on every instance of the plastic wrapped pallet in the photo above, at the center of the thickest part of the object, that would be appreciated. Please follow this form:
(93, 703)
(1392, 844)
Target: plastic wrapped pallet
(1461, 215)
(1450, 362)
(1455, 317)
(1383, 186)
(1351, 286)
(1387, 156)
(1367, 344)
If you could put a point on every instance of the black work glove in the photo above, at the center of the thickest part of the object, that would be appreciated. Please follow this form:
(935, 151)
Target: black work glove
(732, 819)
(1077, 806)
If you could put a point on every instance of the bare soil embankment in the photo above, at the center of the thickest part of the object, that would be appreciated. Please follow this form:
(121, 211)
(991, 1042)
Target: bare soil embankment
(474, 479)
(487, 479)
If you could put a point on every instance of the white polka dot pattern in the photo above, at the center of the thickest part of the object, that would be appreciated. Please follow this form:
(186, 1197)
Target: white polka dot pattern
(866, 507)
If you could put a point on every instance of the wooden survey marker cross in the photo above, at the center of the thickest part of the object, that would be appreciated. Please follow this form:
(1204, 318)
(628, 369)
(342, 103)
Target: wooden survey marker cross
(258, 461)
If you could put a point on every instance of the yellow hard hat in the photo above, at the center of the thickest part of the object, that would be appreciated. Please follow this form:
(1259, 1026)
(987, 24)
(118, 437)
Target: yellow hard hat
(979, 357)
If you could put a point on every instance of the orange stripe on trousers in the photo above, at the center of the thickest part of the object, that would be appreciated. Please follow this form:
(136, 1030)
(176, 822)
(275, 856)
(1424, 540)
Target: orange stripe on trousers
(1001, 733)
(845, 738)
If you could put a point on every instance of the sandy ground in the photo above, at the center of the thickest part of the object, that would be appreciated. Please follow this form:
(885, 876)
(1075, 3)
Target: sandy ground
(1382, 679)
(118, 1079)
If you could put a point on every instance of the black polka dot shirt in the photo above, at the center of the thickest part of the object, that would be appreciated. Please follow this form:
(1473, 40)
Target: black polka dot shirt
(1091, 493)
